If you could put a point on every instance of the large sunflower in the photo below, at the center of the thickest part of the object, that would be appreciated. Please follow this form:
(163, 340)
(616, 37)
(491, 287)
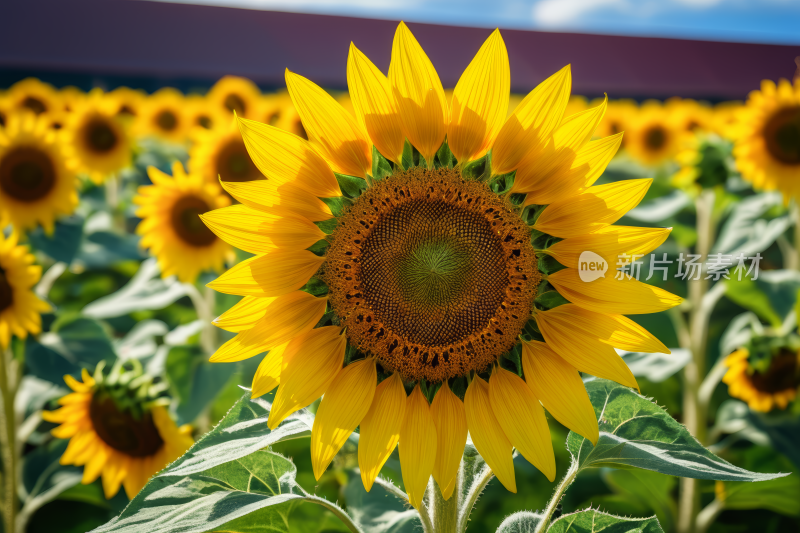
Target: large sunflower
(163, 114)
(418, 273)
(764, 389)
(220, 153)
(96, 139)
(35, 96)
(232, 93)
(655, 135)
(767, 148)
(171, 227)
(20, 308)
(117, 429)
(36, 184)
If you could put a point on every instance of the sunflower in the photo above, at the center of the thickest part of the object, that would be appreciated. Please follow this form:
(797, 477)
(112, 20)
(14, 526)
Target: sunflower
(724, 120)
(232, 93)
(654, 135)
(705, 162)
(163, 114)
(5, 109)
(35, 96)
(766, 388)
(20, 308)
(129, 101)
(576, 104)
(71, 97)
(171, 227)
(220, 153)
(36, 185)
(690, 115)
(96, 139)
(205, 116)
(118, 427)
(289, 118)
(618, 117)
(269, 109)
(418, 274)
(767, 148)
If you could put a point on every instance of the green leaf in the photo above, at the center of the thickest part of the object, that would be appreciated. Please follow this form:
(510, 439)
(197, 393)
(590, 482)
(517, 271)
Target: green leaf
(778, 495)
(65, 241)
(651, 492)
(771, 296)
(378, 511)
(591, 521)
(477, 170)
(381, 167)
(551, 299)
(410, 157)
(520, 522)
(336, 204)
(227, 481)
(444, 157)
(351, 186)
(637, 433)
(195, 382)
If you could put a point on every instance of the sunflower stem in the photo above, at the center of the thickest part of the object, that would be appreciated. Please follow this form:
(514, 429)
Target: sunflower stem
(566, 481)
(472, 496)
(445, 512)
(8, 442)
(794, 210)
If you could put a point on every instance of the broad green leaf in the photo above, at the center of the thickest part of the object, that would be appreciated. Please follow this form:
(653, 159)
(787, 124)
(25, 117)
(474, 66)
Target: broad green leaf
(520, 522)
(661, 208)
(379, 511)
(651, 492)
(637, 433)
(591, 521)
(65, 241)
(747, 294)
(779, 495)
(772, 295)
(745, 232)
(657, 366)
(551, 299)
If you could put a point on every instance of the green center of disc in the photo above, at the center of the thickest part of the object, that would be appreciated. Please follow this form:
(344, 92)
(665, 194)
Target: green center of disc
(434, 272)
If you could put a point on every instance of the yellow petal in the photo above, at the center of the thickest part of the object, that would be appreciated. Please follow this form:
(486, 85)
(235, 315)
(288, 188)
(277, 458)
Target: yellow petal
(286, 158)
(451, 437)
(380, 429)
(609, 243)
(522, 418)
(487, 435)
(273, 274)
(287, 317)
(340, 139)
(608, 294)
(560, 388)
(256, 232)
(279, 199)
(480, 101)
(418, 93)
(574, 131)
(532, 122)
(374, 104)
(310, 364)
(244, 314)
(268, 373)
(417, 446)
(593, 209)
(343, 407)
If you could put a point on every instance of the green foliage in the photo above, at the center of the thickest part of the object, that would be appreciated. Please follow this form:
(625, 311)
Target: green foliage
(591, 521)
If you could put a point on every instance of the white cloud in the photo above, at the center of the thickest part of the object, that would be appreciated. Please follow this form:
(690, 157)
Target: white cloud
(558, 12)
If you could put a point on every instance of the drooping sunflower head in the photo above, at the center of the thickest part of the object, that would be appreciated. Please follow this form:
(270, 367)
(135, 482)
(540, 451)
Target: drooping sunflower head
(432, 247)
(35, 96)
(171, 227)
(220, 153)
(96, 138)
(36, 184)
(654, 136)
(234, 94)
(118, 427)
(705, 161)
(767, 146)
(765, 374)
(20, 308)
(163, 114)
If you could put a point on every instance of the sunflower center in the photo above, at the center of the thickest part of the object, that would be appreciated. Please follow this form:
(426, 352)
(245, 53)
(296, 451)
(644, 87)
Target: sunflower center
(34, 104)
(167, 120)
(432, 274)
(781, 375)
(234, 163)
(655, 137)
(6, 293)
(126, 110)
(27, 174)
(187, 224)
(123, 432)
(100, 136)
(234, 102)
(782, 135)
(204, 121)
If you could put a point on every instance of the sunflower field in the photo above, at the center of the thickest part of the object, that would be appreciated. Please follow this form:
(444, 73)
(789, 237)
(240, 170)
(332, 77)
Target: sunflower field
(399, 308)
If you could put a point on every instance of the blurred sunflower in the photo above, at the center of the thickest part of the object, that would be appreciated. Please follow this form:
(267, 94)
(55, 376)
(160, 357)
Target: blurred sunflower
(35, 96)
(203, 115)
(690, 115)
(576, 104)
(95, 138)
(768, 388)
(269, 109)
(20, 308)
(220, 153)
(36, 185)
(71, 96)
(289, 118)
(232, 93)
(767, 148)
(431, 275)
(618, 117)
(118, 428)
(725, 118)
(171, 227)
(129, 101)
(5, 109)
(163, 114)
(705, 162)
(653, 136)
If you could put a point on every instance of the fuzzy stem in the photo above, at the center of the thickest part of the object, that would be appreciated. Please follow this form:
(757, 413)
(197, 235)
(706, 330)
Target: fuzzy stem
(472, 497)
(566, 481)
(204, 306)
(707, 516)
(794, 211)
(445, 512)
(8, 442)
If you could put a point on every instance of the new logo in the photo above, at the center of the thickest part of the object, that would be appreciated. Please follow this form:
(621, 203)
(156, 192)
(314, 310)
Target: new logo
(591, 266)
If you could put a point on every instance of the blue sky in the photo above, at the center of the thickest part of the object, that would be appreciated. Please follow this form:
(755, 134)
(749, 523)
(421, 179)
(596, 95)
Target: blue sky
(759, 21)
